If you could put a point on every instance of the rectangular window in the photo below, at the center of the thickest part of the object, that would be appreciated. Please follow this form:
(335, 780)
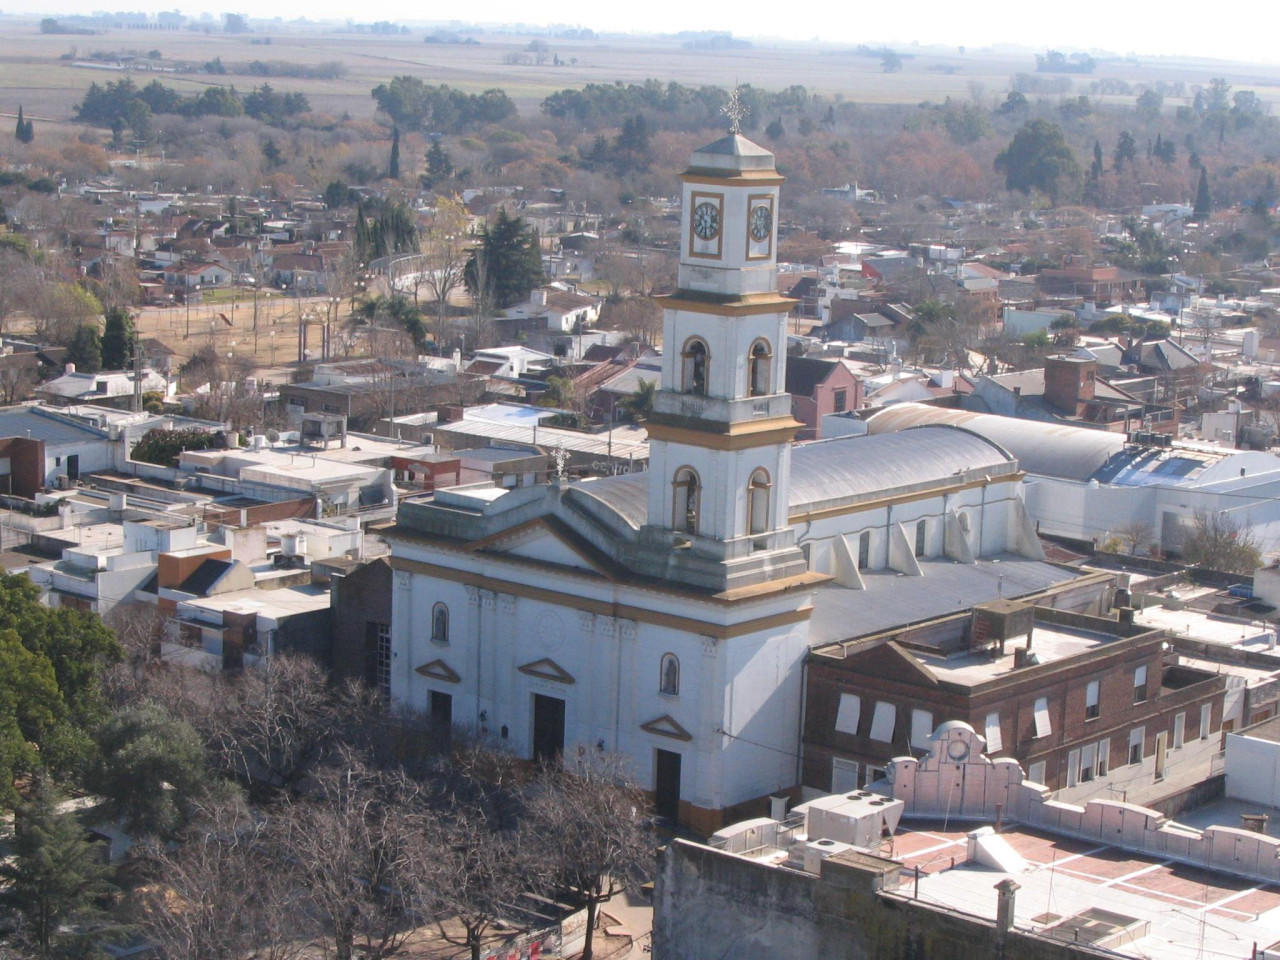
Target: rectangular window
(1035, 773)
(995, 742)
(921, 531)
(844, 775)
(883, 721)
(1140, 684)
(1137, 736)
(1091, 708)
(848, 714)
(1073, 768)
(921, 728)
(1043, 727)
(1088, 762)
(841, 401)
(1179, 731)
(1206, 717)
(1104, 757)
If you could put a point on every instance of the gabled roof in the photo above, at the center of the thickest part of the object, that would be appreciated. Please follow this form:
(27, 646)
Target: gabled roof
(805, 373)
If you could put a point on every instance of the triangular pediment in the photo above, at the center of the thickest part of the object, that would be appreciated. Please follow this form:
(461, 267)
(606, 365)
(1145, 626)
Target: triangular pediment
(547, 669)
(890, 661)
(544, 540)
(666, 726)
(438, 670)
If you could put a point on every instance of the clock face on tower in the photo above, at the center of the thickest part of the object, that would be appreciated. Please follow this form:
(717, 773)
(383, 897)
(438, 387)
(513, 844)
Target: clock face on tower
(761, 223)
(759, 226)
(706, 225)
(706, 220)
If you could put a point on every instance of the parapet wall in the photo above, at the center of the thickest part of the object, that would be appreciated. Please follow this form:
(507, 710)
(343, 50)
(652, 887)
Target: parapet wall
(959, 782)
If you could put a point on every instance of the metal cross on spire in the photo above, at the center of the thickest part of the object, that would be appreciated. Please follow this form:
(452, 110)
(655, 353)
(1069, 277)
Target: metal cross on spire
(735, 110)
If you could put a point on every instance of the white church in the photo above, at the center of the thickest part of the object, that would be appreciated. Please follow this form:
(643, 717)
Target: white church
(666, 615)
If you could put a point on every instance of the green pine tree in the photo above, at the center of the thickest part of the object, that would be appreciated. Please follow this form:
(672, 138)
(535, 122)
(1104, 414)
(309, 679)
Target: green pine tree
(85, 349)
(22, 125)
(393, 168)
(1204, 204)
(118, 340)
(56, 872)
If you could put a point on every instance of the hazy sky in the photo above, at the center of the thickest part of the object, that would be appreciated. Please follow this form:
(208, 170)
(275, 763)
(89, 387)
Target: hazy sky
(1229, 29)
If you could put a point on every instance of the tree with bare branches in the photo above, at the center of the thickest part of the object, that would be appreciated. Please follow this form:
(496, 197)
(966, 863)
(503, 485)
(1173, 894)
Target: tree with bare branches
(364, 848)
(221, 894)
(589, 818)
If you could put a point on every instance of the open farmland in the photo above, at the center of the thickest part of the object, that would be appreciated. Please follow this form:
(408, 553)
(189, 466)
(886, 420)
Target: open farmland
(31, 71)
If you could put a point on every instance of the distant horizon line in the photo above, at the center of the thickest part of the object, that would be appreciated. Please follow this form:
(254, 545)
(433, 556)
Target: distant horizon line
(525, 28)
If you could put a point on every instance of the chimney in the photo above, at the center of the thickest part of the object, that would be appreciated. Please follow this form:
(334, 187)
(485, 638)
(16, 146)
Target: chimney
(538, 297)
(71, 368)
(1006, 888)
(1069, 383)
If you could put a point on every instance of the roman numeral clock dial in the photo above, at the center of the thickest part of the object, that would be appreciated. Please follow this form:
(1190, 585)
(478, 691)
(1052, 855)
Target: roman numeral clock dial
(706, 220)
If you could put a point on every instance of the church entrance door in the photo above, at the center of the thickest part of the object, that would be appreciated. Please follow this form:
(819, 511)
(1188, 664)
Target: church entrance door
(666, 793)
(548, 727)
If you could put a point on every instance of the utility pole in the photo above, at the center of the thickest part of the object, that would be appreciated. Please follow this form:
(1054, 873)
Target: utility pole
(137, 377)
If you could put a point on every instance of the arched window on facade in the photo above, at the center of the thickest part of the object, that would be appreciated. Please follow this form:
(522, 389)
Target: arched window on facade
(759, 363)
(695, 359)
(669, 675)
(440, 623)
(758, 502)
(687, 492)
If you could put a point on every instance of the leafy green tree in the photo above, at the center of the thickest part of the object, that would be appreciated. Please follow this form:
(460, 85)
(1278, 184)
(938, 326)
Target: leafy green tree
(393, 167)
(30, 706)
(1096, 170)
(1126, 150)
(1165, 150)
(162, 447)
(151, 768)
(336, 194)
(1038, 158)
(119, 339)
(1204, 204)
(85, 349)
(56, 873)
(1149, 104)
(439, 164)
(639, 405)
(512, 260)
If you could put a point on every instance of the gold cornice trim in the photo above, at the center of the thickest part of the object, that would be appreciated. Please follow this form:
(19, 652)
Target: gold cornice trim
(755, 178)
(733, 436)
(747, 306)
(639, 614)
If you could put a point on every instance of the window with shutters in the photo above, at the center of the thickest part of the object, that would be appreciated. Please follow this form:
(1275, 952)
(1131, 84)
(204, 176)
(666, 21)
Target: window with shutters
(883, 721)
(1091, 708)
(848, 713)
(1140, 684)
(1042, 724)
(1137, 738)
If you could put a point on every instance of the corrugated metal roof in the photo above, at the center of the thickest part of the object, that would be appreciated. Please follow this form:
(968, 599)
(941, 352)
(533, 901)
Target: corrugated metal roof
(1046, 449)
(25, 422)
(829, 471)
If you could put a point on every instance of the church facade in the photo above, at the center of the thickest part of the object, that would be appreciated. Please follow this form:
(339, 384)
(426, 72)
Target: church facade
(666, 615)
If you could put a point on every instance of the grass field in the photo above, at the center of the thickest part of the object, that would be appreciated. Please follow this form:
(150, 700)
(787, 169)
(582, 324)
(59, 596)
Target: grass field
(31, 72)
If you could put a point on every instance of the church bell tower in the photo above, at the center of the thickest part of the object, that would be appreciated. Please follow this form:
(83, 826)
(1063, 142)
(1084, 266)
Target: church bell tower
(721, 429)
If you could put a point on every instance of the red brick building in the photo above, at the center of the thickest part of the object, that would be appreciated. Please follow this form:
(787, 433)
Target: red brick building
(1083, 702)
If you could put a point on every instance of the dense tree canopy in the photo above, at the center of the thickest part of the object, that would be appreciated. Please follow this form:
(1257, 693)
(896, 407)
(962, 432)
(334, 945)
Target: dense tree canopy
(511, 260)
(414, 105)
(1038, 158)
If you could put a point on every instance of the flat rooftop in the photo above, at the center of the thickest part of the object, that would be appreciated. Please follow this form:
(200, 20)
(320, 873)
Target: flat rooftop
(272, 604)
(1049, 642)
(1192, 913)
(1208, 627)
